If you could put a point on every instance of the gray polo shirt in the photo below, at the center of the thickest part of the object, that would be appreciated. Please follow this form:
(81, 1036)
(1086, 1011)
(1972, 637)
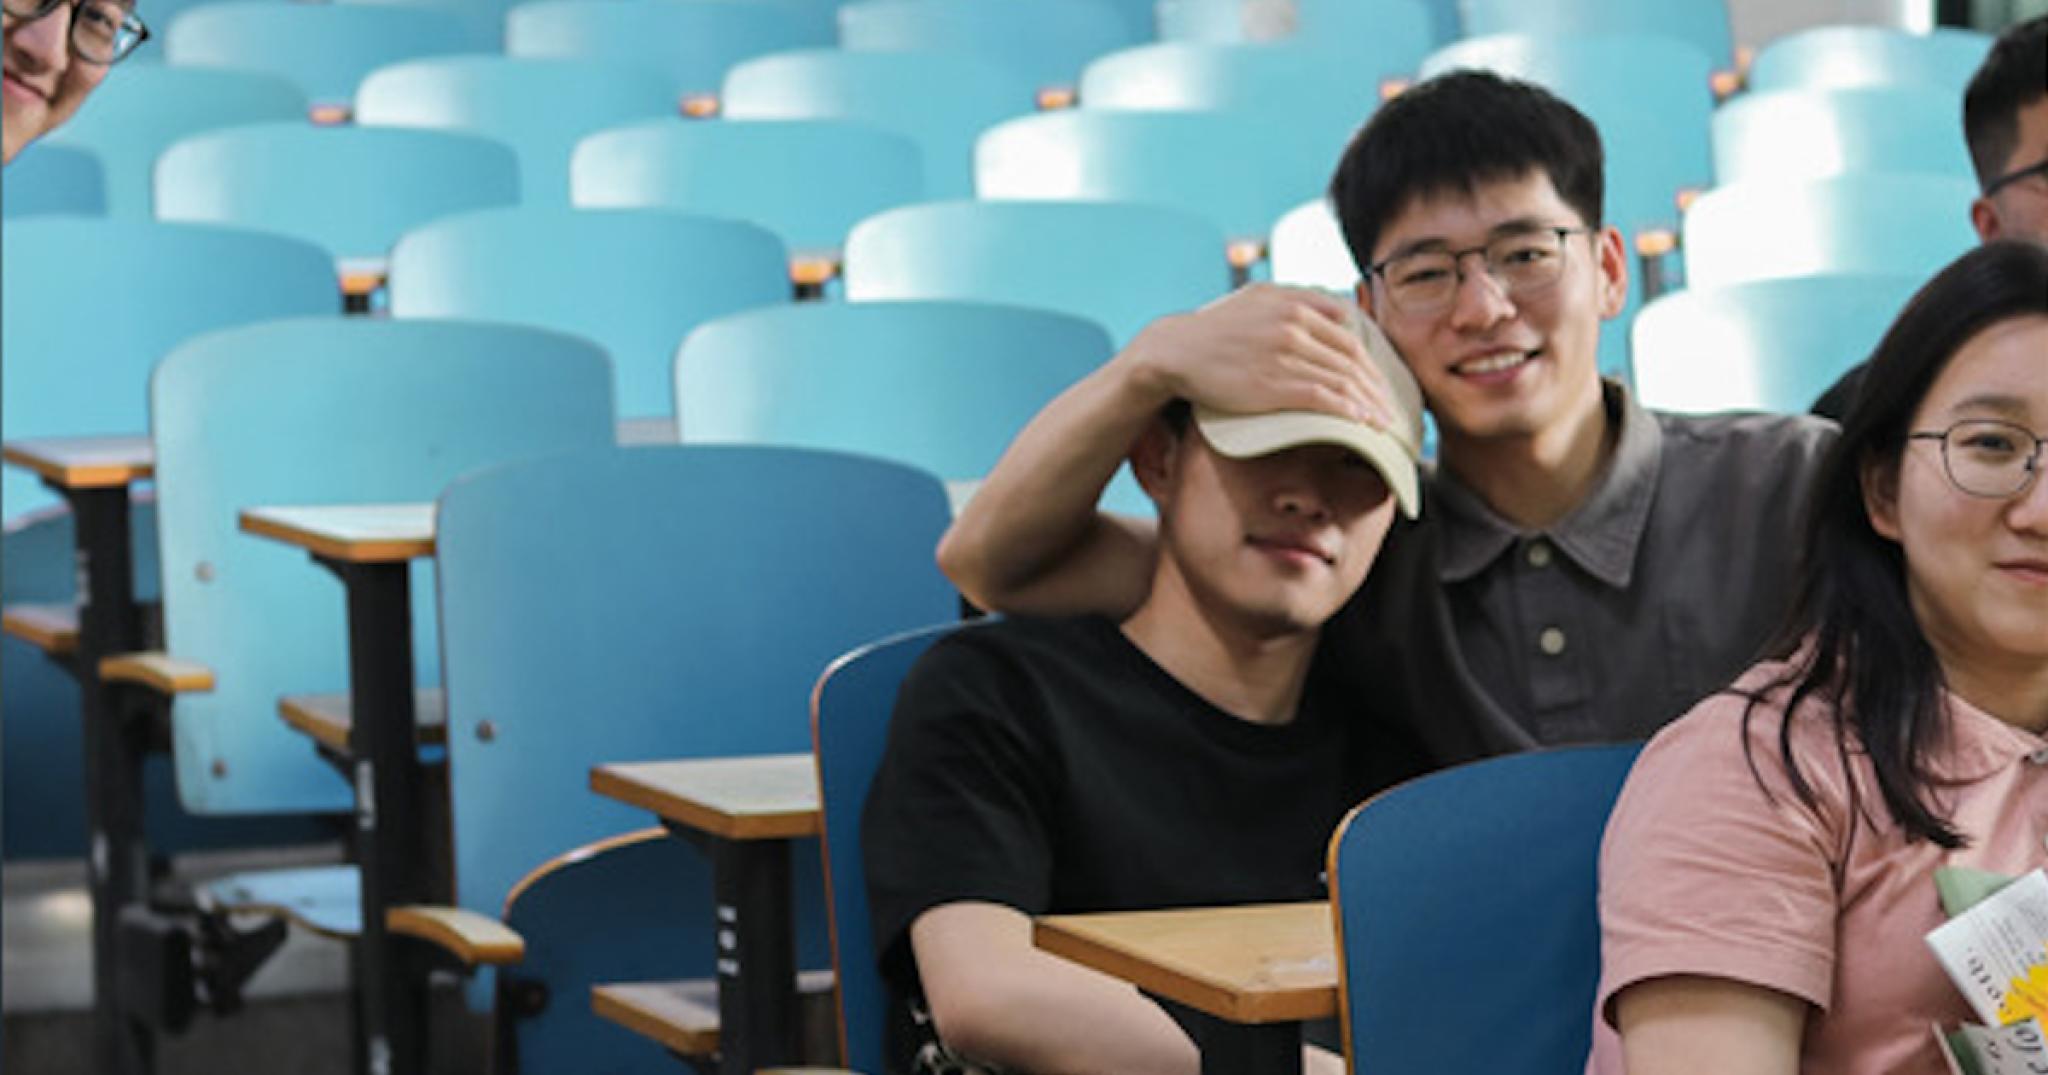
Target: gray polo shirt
(1654, 592)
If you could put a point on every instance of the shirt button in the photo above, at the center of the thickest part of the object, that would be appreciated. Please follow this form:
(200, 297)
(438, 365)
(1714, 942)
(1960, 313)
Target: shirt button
(2039, 757)
(1551, 641)
(1538, 554)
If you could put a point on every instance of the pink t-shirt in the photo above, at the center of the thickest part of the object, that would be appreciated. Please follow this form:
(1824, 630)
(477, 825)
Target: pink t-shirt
(1702, 873)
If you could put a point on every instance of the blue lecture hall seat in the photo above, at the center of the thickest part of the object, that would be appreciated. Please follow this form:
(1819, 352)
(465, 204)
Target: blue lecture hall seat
(680, 603)
(1120, 265)
(1321, 87)
(1836, 57)
(1703, 24)
(161, 14)
(1772, 345)
(47, 179)
(633, 280)
(352, 190)
(1477, 878)
(1809, 134)
(324, 49)
(763, 172)
(540, 108)
(942, 101)
(1869, 222)
(130, 120)
(1308, 248)
(1047, 42)
(1434, 22)
(691, 44)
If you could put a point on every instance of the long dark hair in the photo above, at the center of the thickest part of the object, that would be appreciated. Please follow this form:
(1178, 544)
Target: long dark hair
(1866, 645)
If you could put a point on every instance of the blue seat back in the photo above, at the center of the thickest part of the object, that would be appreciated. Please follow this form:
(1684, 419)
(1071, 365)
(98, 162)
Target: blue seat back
(634, 280)
(1119, 265)
(1844, 56)
(691, 45)
(352, 190)
(540, 108)
(92, 304)
(1808, 134)
(1482, 873)
(1703, 24)
(47, 179)
(1912, 224)
(941, 101)
(766, 173)
(323, 411)
(1237, 168)
(680, 602)
(130, 120)
(324, 49)
(1332, 85)
(1045, 42)
(161, 14)
(850, 729)
(1336, 22)
(1771, 345)
(1308, 249)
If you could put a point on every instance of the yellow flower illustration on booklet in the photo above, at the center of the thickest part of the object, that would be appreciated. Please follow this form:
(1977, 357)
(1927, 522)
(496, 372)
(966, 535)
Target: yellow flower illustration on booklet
(2027, 996)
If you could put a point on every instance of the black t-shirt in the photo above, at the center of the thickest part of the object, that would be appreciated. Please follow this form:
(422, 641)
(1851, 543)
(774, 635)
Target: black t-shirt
(1051, 766)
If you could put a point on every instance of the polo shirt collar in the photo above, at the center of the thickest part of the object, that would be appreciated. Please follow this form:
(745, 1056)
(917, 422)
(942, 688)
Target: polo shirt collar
(1983, 745)
(1601, 535)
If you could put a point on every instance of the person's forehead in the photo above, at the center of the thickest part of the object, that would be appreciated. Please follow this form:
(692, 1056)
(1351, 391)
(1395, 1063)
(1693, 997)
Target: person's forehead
(1456, 216)
(1997, 372)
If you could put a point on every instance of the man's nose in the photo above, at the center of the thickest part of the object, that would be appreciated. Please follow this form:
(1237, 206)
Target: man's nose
(41, 42)
(1481, 300)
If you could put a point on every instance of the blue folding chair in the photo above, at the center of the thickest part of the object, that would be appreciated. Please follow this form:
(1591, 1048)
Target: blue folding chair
(1911, 224)
(941, 101)
(53, 179)
(1120, 265)
(1703, 24)
(130, 120)
(634, 280)
(691, 44)
(540, 108)
(1836, 57)
(1336, 22)
(677, 634)
(1765, 345)
(352, 190)
(1324, 87)
(161, 14)
(1809, 134)
(771, 174)
(1045, 42)
(1478, 880)
(850, 729)
(324, 49)
(1308, 249)
(91, 305)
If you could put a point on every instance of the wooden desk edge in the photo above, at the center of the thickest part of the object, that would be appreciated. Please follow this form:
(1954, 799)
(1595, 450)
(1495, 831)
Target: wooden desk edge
(76, 475)
(608, 781)
(370, 551)
(1201, 993)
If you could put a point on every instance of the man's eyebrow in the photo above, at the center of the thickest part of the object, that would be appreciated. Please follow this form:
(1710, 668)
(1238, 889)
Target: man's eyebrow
(1521, 225)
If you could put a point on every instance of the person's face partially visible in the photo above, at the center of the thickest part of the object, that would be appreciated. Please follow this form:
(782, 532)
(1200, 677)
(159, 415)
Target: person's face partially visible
(2019, 210)
(44, 83)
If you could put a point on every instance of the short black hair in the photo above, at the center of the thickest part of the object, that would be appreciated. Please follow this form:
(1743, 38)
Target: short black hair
(2014, 75)
(1454, 132)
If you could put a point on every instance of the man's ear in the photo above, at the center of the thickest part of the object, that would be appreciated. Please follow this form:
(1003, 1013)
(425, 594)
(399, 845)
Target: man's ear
(1984, 218)
(1363, 291)
(1611, 257)
(1880, 481)
(1154, 458)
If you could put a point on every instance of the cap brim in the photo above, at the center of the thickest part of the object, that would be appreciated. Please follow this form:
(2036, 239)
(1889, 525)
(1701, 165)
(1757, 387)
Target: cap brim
(1248, 436)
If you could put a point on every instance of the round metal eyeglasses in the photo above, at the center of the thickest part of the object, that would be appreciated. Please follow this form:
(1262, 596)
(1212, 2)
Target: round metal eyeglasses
(102, 31)
(1988, 458)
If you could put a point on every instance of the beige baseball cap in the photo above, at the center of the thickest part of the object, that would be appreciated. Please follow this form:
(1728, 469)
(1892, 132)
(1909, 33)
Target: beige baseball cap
(1392, 452)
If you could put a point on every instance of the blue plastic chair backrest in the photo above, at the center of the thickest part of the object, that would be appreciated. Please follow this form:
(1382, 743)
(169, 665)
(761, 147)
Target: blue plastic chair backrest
(1485, 873)
(1237, 168)
(325, 49)
(1844, 223)
(850, 729)
(1046, 42)
(1768, 345)
(1843, 56)
(678, 602)
(540, 108)
(1119, 265)
(692, 44)
(1807, 134)
(337, 410)
(89, 305)
(1703, 24)
(764, 172)
(161, 14)
(634, 280)
(130, 120)
(47, 179)
(1339, 23)
(1308, 249)
(941, 101)
(1319, 87)
(352, 190)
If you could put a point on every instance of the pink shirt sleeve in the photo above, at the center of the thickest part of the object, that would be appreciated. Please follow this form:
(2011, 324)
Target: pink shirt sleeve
(1703, 873)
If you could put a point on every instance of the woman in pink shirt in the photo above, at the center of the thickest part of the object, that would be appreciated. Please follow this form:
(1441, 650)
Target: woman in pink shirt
(1767, 877)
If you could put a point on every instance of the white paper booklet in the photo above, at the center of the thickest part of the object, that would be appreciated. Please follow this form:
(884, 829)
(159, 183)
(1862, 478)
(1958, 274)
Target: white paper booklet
(2007, 1050)
(1997, 952)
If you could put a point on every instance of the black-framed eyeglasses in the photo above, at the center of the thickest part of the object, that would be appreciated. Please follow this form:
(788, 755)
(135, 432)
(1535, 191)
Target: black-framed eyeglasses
(2039, 168)
(102, 31)
(1423, 283)
(1988, 458)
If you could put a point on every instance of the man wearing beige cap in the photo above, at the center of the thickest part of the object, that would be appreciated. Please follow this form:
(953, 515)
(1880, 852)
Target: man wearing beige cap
(1185, 756)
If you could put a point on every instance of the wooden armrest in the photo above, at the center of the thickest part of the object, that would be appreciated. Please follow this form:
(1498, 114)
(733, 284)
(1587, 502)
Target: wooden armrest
(160, 672)
(468, 935)
(50, 628)
(683, 1015)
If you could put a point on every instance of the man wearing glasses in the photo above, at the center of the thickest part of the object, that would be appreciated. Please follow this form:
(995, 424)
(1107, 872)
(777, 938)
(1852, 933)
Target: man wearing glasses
(1583, 570)
(56, 51)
